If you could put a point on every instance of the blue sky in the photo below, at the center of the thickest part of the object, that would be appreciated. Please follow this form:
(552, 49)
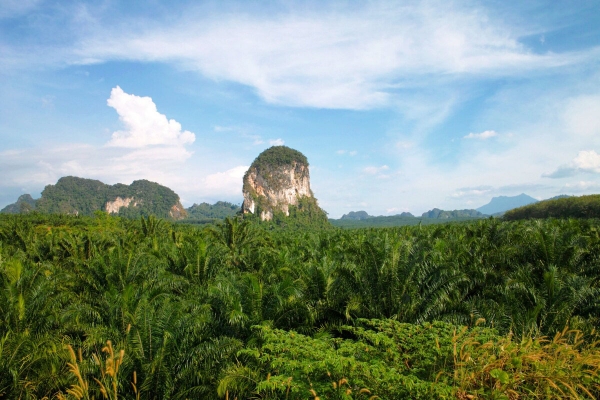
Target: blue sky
(399, 106)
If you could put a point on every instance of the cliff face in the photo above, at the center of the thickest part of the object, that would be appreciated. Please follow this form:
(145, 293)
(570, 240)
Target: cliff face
(113, 207)
(277, 180)
(281, 187)
(177, 211)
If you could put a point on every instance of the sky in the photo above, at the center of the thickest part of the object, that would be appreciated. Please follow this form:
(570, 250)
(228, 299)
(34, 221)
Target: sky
(399, 106)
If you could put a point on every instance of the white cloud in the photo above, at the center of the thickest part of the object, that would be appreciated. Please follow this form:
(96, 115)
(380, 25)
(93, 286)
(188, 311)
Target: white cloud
(219, 128)
(375, 170)
(227, 183)
(331, 57)
(144, 125)
(582, 116)
(472, 192)
(586, 161)
(581, 186)
(276, 142)
(481, 136)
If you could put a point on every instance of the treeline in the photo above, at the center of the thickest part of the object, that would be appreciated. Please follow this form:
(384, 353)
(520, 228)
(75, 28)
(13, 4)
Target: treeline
(106, 307)
(205, 213)
(566, 207)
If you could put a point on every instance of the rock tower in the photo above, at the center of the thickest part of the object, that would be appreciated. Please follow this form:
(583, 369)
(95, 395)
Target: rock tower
(278, 182)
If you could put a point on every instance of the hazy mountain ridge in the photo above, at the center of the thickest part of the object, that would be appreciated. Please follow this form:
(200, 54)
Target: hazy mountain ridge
(23, 205)
(501, 204)
(496, 207)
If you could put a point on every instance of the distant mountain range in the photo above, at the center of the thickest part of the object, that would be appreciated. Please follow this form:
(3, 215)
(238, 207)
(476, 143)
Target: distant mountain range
(361, 219)
(501, 204)
(496, 207)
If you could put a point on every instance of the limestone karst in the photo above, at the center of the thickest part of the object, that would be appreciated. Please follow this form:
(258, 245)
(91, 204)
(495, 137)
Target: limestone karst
(278, 184)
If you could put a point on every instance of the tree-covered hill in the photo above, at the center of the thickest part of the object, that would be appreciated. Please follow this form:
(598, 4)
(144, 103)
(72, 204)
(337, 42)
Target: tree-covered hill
(25, 203)
(78, 196)
(361, 219)
(436, 213)
(205, 213)
(561, 207)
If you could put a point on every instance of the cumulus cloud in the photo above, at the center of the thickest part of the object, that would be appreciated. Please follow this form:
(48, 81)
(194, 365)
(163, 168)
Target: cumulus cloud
(481, 136)
(150, 147)
(586, 161)
(144, 125)
(228, 182)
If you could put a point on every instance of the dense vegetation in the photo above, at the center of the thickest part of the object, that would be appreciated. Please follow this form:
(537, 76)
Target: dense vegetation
(79, 196)
(562, 207)
(204, 213)
(106, 307)
(306, 215)
(277, 156)
(404, 220)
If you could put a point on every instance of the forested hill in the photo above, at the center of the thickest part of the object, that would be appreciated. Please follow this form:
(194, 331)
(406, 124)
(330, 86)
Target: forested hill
(24, 204)
(205, 213)
(560, 207)
(360, 219)
(79, 196)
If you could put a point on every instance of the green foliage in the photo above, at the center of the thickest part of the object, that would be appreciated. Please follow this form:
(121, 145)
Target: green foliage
(454, 214)
(448, 311)
(278, 156)
(204, 213)
(397, 221)
(306, 215)
(391, 360)
(567, 207)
